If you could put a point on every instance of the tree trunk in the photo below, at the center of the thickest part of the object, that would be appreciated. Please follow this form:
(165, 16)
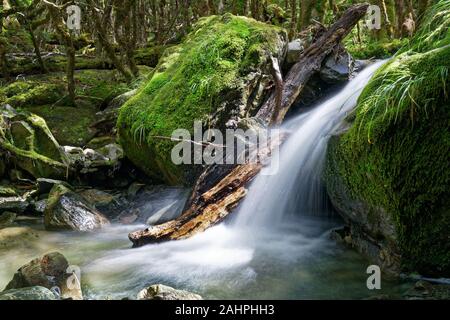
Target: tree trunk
(305, 13)
(37, 50)
(220, 187)
(293, 27)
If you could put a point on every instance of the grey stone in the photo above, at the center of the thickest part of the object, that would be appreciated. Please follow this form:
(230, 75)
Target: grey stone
(49, 271)
(162, 292)
(30, 293)
(295, 49)
(67, 210)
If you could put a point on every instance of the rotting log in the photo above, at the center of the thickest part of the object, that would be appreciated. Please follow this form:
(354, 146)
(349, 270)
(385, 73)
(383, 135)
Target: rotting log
(220, 187)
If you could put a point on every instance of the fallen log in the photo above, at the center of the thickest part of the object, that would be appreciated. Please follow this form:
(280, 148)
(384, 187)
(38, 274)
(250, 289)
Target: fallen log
(220, 188)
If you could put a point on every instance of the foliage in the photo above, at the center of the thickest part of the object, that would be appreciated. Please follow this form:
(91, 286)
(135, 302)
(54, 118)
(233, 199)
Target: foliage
(190, 82)
(395, 155)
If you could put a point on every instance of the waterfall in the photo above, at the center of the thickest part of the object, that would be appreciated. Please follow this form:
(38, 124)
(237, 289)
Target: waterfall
(296, 188)
(262, 247)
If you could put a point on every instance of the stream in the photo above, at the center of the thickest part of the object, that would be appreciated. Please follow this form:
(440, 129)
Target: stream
(276, 245)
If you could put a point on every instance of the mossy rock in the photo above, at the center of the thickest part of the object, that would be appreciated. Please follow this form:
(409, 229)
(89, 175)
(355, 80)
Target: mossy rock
(389, 174)
(21, 93)
(26, 137)
(215, 75)
(70, 126)
(46, 96)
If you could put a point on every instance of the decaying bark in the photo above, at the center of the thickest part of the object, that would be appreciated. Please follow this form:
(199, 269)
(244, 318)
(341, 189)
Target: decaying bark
(220, 188)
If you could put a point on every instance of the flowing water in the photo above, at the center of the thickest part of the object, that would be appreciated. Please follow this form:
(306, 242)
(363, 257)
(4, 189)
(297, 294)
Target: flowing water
(276, 246)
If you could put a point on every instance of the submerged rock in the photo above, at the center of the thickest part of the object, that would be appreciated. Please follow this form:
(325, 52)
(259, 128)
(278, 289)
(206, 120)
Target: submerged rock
(30, 293)
(67, 210)
(221, 72)
(49, 271)
(38, 207)
(162, 292)
(18, 238)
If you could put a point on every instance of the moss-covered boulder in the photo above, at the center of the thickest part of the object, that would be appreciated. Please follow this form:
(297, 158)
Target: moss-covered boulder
(220, 72)
(30, 145)
(46, 96)
(389, 174)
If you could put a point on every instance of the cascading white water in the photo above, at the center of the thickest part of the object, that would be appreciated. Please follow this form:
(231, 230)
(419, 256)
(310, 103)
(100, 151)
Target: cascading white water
(251, 257)
(296, 188)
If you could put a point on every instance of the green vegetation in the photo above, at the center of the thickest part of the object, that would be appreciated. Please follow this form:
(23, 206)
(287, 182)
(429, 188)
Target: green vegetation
(45, 95)
(395, 156)
(190, 83)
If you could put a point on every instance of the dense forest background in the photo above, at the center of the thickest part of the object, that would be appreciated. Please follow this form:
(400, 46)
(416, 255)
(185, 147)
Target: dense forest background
(126, 33)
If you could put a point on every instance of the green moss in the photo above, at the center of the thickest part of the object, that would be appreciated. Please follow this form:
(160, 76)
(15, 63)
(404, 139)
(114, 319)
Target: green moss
(45, 95)
(69, 125)
(27, 92)
(376, 50)
(395, 155)
(31, 145)
(7, 191)
(149, 56)
(188, 85)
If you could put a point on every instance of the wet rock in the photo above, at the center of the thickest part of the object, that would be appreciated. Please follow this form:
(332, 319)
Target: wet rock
(128, 217)
(30, 293)
(164, 214)
(67, 210)
(7, 218)
(39, 206)
(133, 189)
(45, 185)
(362, 64)
(30, 143)
(337, 68)
(162, 292)
(89, 160)
(295, 49)
(16, 204)
(50, 271)
(99, 199)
